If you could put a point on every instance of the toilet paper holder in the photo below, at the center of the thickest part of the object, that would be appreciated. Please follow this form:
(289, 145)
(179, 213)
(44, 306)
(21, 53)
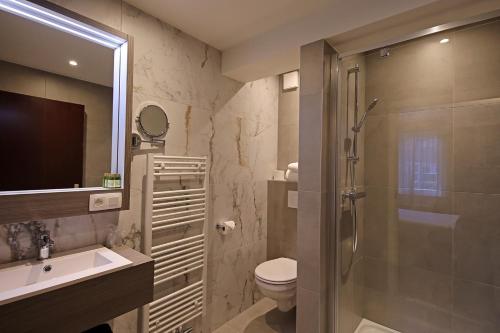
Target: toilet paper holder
(225, 227)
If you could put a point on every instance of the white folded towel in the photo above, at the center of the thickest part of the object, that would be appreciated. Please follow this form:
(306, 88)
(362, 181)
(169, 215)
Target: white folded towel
(294, 167)
(291, 176)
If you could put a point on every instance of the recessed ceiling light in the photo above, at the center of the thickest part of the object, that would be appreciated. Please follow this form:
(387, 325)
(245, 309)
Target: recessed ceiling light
(444, 40)
(73, 63)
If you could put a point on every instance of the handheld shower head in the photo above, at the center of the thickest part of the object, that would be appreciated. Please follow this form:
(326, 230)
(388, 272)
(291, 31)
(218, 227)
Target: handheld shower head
(372, 105)
(360, 124)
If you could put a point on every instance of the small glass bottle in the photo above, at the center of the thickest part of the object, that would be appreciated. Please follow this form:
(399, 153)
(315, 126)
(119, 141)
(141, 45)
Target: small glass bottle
(118, 180)
(105, 180)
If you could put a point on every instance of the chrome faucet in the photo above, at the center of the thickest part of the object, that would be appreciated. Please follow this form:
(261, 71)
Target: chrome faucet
(44, 244)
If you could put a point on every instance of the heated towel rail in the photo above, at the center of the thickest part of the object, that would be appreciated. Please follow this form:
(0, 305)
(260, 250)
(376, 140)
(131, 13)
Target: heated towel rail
(175, 203)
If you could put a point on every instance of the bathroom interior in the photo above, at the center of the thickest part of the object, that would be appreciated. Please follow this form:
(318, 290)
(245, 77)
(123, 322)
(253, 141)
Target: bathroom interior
(150, 177)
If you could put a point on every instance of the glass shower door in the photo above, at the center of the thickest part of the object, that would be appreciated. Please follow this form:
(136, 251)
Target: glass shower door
(428, 230)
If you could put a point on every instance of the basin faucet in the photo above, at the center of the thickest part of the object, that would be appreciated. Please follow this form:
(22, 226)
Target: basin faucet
(44, 245)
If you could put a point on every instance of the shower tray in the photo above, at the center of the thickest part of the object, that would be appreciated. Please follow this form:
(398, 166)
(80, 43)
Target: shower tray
(366, 326)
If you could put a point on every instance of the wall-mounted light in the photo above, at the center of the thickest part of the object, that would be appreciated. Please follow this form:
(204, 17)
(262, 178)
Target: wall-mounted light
(53, 19)
(444, 40)
(73, 63)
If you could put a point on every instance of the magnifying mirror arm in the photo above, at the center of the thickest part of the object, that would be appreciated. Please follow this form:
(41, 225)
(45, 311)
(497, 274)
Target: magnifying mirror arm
(137, 140)
(154, 141)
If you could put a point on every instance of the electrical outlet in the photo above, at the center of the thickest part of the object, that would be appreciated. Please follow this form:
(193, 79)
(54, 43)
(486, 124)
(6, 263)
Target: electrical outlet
(105, 201)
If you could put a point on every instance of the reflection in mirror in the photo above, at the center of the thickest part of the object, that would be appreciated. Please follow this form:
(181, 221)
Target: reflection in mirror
(56, 107)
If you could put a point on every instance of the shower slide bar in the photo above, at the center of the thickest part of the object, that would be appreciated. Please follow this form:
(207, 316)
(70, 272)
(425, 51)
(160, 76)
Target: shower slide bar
(351, 193)
(166, 210)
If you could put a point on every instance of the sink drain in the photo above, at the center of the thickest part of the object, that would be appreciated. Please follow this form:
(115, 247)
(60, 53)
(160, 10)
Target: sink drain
(47, 268)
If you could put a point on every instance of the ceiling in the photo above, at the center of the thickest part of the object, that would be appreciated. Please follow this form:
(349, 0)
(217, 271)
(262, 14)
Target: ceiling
(226, 23)
(260, 38)
(38, 46)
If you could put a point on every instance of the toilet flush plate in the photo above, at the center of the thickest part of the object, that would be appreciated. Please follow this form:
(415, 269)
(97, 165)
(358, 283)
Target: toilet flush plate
(293, 199)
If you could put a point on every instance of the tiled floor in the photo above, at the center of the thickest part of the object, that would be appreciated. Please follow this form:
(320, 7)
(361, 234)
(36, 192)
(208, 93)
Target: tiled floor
(262, 317)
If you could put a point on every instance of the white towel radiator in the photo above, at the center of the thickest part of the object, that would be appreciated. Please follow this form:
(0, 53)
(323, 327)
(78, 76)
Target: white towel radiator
(175, 236)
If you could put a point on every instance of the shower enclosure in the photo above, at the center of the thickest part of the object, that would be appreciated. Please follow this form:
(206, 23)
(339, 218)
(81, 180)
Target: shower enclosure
(417, 213)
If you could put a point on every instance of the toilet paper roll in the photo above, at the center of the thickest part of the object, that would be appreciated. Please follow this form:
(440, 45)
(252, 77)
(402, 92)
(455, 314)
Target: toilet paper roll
(226, 227)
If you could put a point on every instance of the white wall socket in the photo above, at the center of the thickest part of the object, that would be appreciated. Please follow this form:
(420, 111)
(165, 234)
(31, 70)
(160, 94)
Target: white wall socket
(293, 199)
(105, 201)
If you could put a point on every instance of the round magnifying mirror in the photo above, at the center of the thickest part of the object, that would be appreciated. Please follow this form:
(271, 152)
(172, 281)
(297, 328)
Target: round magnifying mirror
(153, 121)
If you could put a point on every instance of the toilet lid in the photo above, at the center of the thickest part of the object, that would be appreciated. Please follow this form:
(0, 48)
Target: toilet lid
(281, 270)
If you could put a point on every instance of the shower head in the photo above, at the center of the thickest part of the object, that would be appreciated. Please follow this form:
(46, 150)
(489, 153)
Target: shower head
(372, 105)
(360, 124)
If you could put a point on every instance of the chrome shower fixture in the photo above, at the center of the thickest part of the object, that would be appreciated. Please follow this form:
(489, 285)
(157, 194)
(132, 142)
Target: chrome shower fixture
(353, 69)
(360, 124)
(384, 52)
(351, 193)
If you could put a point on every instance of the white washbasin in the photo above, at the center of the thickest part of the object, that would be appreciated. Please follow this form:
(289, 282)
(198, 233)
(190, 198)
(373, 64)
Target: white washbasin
(32, 276)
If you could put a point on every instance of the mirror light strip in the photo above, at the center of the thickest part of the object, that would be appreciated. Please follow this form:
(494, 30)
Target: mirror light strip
(48, 17)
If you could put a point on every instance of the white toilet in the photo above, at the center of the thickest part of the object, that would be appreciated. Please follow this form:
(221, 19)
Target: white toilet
(277, 279)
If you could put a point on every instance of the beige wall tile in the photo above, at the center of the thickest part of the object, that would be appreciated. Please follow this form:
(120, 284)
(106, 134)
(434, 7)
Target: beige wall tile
(380, 238)
(308, 310)
(310, 235)
(436, 290)
(475, 62)
(476, 129)
(281, 221)
(288, 127)
(477, 238)
(416, 74)
(312, 166)
(476, 301)
(446, 238)
(464, 325)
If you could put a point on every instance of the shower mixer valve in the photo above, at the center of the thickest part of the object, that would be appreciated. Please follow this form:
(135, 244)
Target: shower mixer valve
(353, 194)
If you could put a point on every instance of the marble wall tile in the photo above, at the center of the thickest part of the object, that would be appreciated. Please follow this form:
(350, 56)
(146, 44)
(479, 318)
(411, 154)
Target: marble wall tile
(235, 124)
(170, 64)
(242, 161)
(68, 233)
(232, 283)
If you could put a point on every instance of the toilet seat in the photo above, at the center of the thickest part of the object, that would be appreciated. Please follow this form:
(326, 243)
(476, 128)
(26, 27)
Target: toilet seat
(277, 271)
